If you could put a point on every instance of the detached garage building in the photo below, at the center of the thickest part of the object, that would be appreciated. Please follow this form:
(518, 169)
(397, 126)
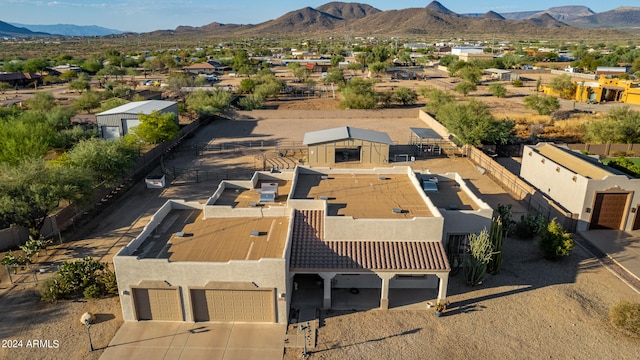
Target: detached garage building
(602, 197)
(347, 144)
(119, 121)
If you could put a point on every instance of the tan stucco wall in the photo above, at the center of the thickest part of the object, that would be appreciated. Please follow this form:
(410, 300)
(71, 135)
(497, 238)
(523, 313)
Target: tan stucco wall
(575, 195)
(265, 273)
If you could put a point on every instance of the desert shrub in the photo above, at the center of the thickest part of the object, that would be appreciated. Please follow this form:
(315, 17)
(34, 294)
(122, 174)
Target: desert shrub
(53, 289)
(251, 102)
(555, 242)
(88, 277)
(475, 262)
(517, 83)
(92, 291)
(529, 226)
(625, 316)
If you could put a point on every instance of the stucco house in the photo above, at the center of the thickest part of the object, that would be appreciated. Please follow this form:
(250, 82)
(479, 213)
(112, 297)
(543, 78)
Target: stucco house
(238, 256)
(117, 122)
(600, 196)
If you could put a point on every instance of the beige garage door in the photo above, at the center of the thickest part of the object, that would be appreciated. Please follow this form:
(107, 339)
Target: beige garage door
(157, 304)
(233, 305)
(608, 211)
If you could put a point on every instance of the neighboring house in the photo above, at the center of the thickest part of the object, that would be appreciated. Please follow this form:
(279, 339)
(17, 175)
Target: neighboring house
(119, 121)
(347, 144)
(608, 89)
(60, 69)
(501, 74)
(239, 256)
(20, 79)
(210, 67)
(612, 70)
(600, 196)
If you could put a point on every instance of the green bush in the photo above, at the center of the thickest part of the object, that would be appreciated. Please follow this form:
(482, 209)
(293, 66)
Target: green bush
(517, 83)
(625, 316)
(87, 277)
(555, 242)
(53, 289)
(529, 226)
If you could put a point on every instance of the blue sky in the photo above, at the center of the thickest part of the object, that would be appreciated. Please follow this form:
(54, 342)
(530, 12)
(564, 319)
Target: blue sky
(149, 15)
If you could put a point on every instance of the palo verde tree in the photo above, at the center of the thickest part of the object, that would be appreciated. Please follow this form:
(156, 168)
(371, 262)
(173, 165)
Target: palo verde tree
(358, 94)
(543, 104)
(621, 125)
(31, 190)
(564, 86)
(437, 99)
(473, 124)
(209, 103)
(157, 127)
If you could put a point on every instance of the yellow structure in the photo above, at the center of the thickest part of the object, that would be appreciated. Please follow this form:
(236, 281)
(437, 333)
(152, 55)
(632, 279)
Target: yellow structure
(606, 89)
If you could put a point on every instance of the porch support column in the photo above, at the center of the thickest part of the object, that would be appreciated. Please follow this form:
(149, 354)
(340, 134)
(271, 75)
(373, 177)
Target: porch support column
(384, 291)
(326, 299)
(442, 286)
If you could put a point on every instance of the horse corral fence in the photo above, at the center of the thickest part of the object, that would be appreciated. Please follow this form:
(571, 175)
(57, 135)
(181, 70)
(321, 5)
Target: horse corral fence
(522, 191)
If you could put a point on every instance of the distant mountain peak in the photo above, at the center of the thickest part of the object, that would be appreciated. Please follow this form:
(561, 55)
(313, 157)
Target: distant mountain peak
(348, 10)
(435, 6)
(493, 15)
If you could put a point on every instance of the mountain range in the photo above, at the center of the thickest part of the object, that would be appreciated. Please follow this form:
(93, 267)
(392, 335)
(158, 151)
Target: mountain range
(70, 30)
(357, 18)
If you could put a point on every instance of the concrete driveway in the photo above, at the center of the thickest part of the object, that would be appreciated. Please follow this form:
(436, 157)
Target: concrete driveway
(214, 341)
(622, 247)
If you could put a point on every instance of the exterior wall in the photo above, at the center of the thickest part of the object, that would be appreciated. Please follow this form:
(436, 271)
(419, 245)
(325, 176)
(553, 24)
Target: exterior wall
(370, 152)
(575, 192)
(372, 281)
(435, 125)
(265, 273)
(554, 180)
(417, 229)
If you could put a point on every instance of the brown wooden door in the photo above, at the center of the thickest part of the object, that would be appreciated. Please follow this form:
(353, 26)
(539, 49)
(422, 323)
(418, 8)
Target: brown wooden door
(608, 211)
(636, 223)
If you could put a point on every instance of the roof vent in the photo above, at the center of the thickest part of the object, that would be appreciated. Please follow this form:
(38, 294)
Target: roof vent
(253, 204)
(180, 234)
(324, 197)
(382, 177)
(398, 211)
(254, 233)
(324, 177)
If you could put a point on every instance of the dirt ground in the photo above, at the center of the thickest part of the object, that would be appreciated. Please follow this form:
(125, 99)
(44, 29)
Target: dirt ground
(533, 309)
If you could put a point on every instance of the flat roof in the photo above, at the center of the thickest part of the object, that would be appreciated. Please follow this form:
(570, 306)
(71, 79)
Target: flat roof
(451, 197)
(215, 239)
(238, 197)
(366, 196)
(573, 162)
(137, 107)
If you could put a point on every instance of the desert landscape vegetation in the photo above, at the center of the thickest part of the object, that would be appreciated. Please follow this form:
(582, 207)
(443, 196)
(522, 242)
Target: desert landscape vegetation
(347, 57)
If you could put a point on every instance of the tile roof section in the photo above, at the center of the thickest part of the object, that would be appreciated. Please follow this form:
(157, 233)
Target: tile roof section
(310, 252)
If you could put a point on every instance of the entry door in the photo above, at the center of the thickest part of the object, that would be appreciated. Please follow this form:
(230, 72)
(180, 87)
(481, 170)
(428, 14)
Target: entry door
(110, 132)
(608, 211)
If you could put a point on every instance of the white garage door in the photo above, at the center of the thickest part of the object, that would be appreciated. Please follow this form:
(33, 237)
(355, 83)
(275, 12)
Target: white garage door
(110, 132)
(157, 304)
(129, 124)
(233, 305)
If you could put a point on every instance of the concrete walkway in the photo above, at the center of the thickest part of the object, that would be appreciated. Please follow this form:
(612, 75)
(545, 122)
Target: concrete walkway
(187, 341)
(623, 248)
